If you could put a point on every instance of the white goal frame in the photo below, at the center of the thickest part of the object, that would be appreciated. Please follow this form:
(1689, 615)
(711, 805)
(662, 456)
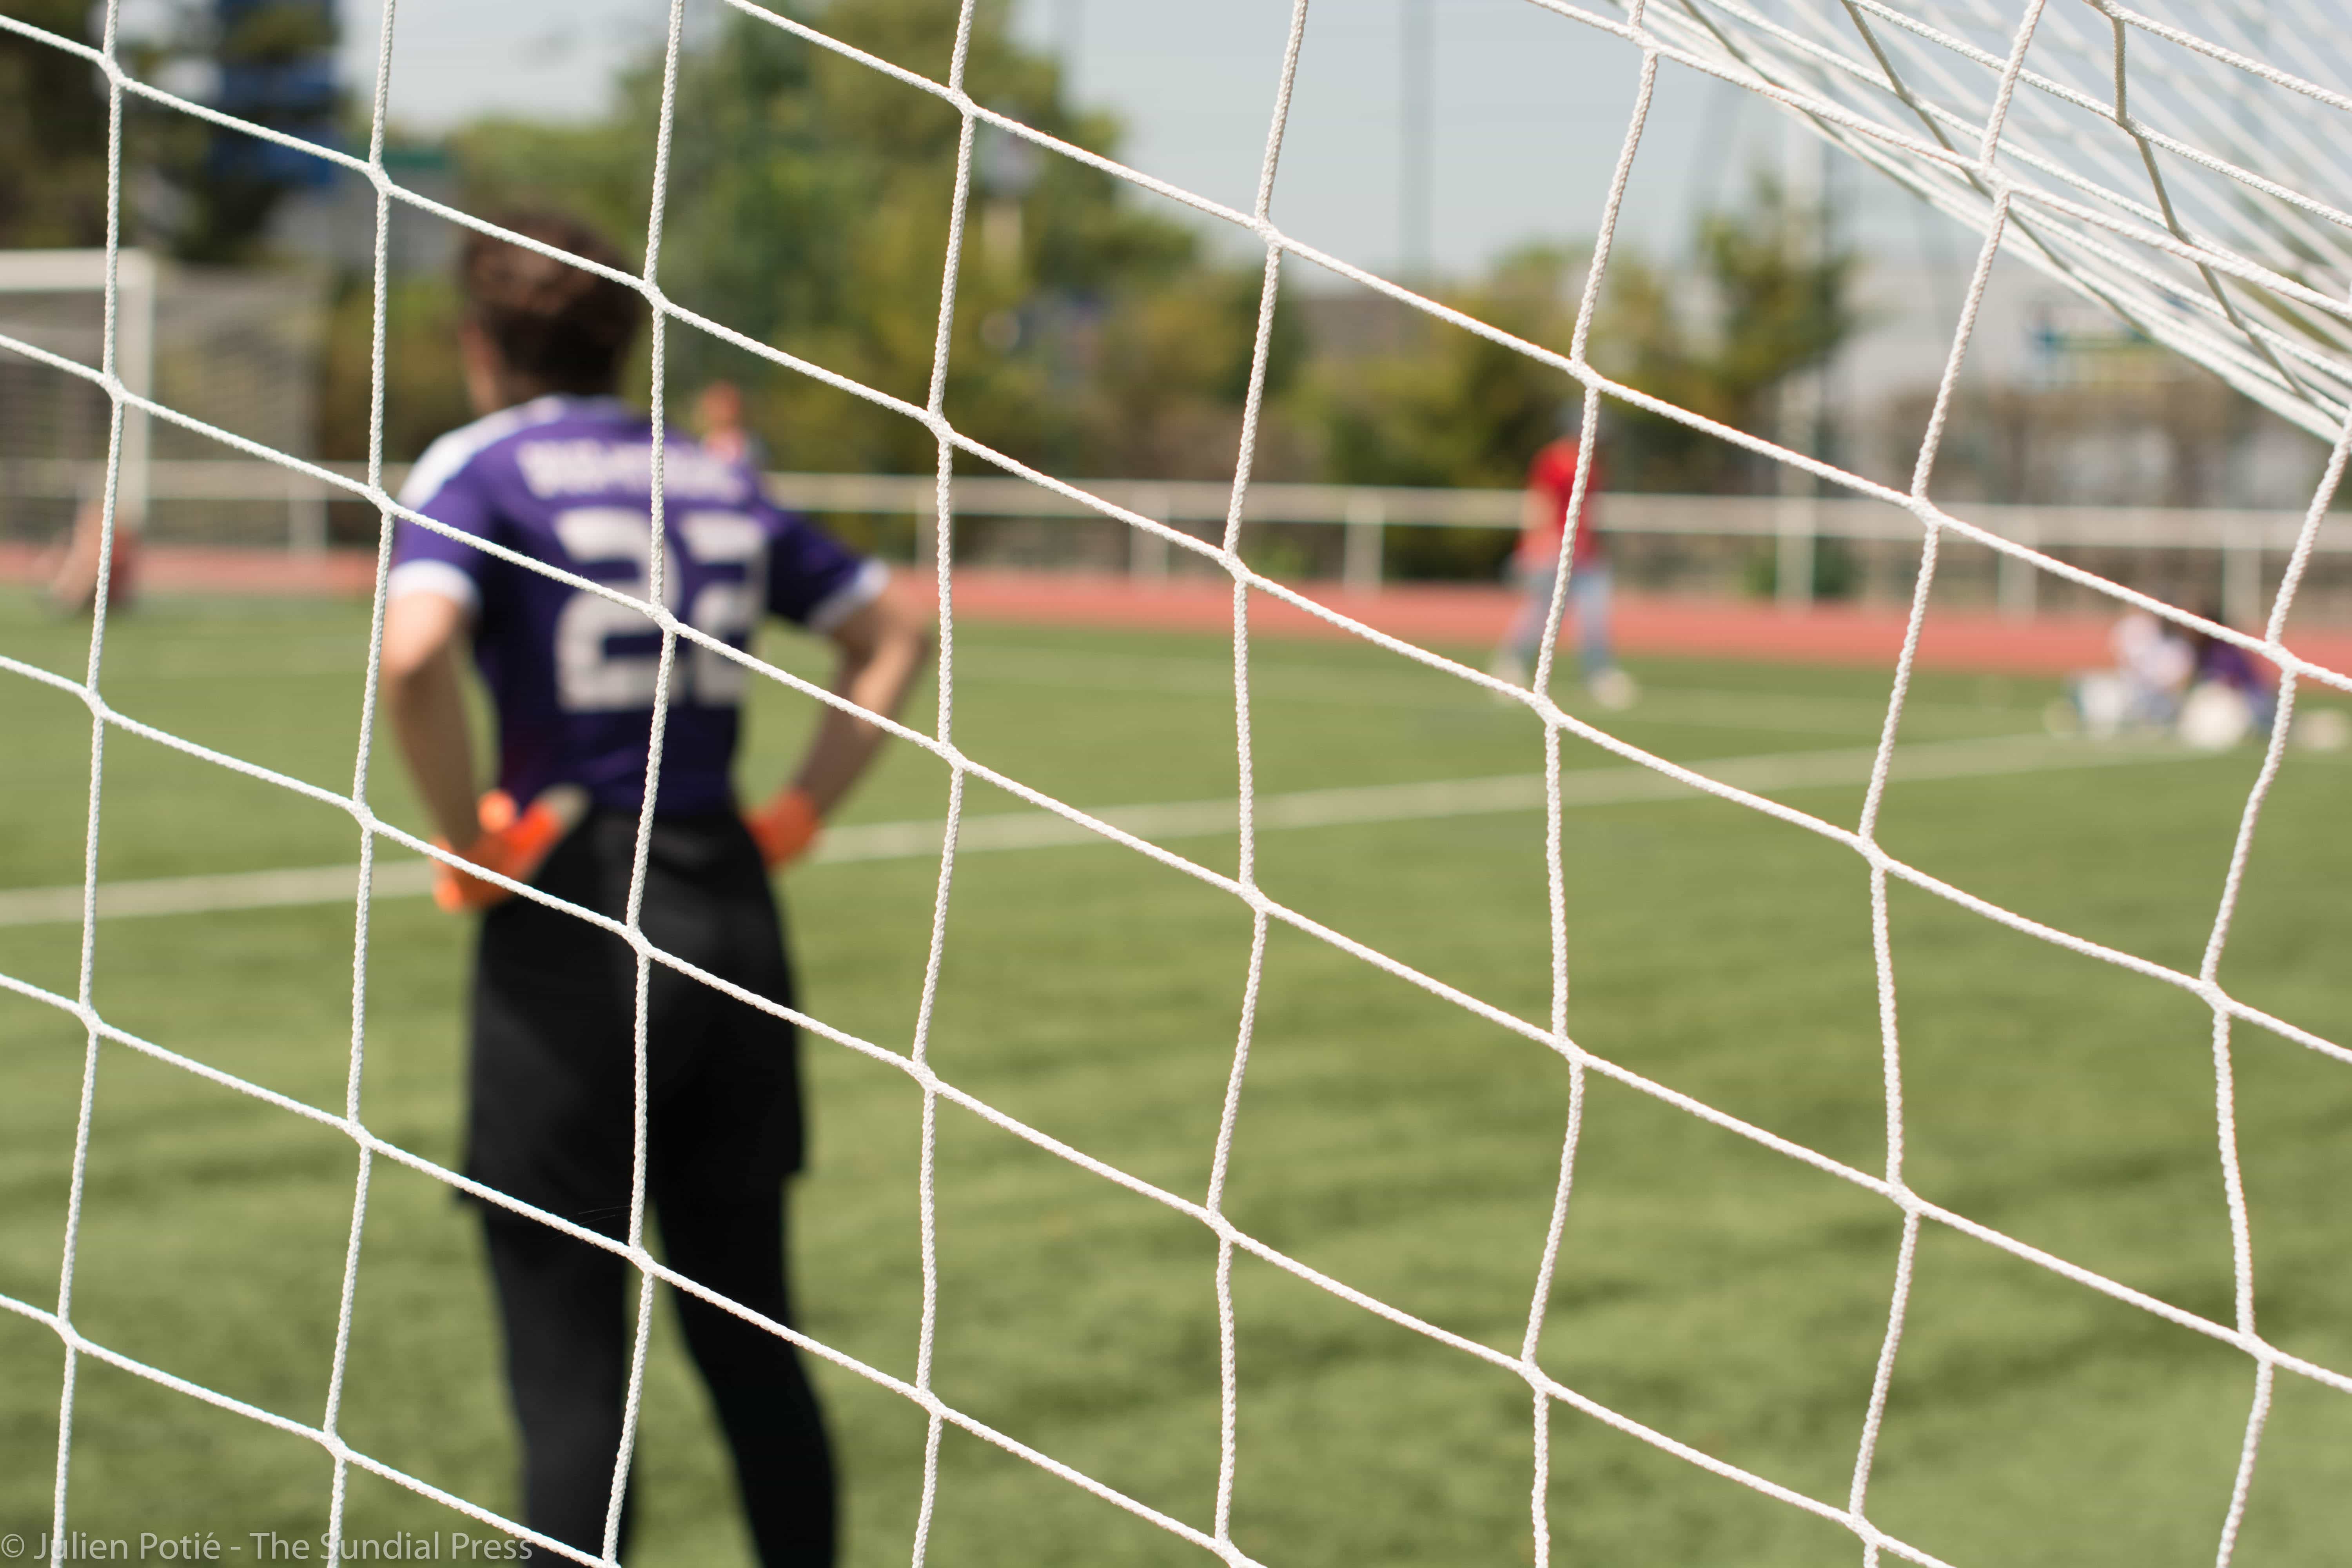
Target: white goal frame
(131, 295)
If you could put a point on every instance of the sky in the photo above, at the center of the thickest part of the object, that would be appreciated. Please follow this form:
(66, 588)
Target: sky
(1529, 107)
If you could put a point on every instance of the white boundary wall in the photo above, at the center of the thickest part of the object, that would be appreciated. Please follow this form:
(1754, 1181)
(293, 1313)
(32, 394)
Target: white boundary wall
(2241, 539)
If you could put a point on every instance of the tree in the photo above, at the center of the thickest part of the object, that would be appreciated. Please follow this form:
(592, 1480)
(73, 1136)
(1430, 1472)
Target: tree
(1449, 407)
(275, 65)
(425, 392)
(210, 192)
(53, 117)
(1446, 406)
(1767, 301)
(808, 207)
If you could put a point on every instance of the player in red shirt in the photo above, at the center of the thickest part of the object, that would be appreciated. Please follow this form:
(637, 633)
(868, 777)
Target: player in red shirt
(1552, 486)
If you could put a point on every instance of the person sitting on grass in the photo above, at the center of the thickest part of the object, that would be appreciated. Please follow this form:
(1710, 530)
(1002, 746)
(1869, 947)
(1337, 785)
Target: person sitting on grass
(558, 470)
(2141, 693)
(2230, 696)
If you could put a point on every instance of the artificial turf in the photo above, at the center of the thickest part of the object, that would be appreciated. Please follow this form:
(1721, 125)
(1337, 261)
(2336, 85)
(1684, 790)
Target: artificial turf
(1713, 1290)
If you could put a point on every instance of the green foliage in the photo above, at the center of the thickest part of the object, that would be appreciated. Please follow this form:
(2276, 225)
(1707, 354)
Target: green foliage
(1453, 407)
(809, 198)
(1836, 575)
(213, 213)
(1170, 369)
(1779, 305)
(423, 393)
(52, 132)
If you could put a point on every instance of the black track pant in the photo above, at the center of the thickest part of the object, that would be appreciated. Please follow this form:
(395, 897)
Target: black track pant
(568, 1345)
(551, 1121)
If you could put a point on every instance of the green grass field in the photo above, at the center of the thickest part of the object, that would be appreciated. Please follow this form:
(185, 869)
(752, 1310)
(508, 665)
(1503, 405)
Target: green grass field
(1716, 1290)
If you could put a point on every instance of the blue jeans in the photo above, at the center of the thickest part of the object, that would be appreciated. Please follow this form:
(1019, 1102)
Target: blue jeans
(1588, 600)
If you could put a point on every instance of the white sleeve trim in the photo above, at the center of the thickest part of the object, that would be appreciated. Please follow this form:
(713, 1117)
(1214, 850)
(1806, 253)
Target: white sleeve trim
(850, 597)
(447, 457)
(433, 577)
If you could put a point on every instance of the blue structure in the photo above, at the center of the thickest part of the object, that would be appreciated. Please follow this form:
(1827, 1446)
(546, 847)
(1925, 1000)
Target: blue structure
(277, 60)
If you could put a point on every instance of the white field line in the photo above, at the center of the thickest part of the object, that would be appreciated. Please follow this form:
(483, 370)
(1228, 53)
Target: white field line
(1678, 706)
(1273, 681)
(1024, 665)
(1362, 805)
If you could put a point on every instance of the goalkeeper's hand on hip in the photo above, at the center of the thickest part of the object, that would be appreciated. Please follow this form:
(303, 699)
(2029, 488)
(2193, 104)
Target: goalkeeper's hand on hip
(785, 828)
(514, 843)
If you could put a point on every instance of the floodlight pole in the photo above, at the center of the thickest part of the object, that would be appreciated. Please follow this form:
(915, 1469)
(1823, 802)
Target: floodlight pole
(1069, 26)
(1804, 207)
(1417, 63)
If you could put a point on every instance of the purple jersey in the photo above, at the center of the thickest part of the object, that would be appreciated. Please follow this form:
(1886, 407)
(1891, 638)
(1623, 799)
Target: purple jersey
(567, 480)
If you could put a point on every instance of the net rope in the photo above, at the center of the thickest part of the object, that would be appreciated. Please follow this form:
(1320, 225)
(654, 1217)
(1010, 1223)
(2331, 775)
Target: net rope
(2000, 159)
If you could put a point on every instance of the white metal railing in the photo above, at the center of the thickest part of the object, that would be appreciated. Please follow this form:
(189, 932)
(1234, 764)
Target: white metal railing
(2241, 539)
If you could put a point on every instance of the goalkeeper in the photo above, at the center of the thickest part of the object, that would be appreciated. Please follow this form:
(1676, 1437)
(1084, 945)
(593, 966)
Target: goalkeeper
(558, 469)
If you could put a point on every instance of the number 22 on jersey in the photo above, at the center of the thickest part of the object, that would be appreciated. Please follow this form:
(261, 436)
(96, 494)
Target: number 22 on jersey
(590, 674)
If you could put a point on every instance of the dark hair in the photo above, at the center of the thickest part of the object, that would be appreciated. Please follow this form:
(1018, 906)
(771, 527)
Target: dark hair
(552, 323)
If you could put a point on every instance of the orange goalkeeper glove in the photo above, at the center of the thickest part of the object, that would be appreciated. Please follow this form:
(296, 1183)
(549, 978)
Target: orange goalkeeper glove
(784, 828)
(514, 843)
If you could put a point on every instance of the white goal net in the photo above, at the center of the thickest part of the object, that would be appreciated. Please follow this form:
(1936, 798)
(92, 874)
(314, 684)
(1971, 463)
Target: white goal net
(2165, 165)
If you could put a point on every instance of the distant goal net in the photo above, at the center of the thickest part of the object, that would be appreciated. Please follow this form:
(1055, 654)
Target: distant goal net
(234, 349)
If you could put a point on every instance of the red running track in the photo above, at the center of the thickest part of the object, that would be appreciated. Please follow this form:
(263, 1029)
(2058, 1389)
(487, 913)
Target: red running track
(1429, 613)
(1474, 616)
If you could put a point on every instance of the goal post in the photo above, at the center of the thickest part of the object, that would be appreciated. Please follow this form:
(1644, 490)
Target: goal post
(26, 274)
(235, 348)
